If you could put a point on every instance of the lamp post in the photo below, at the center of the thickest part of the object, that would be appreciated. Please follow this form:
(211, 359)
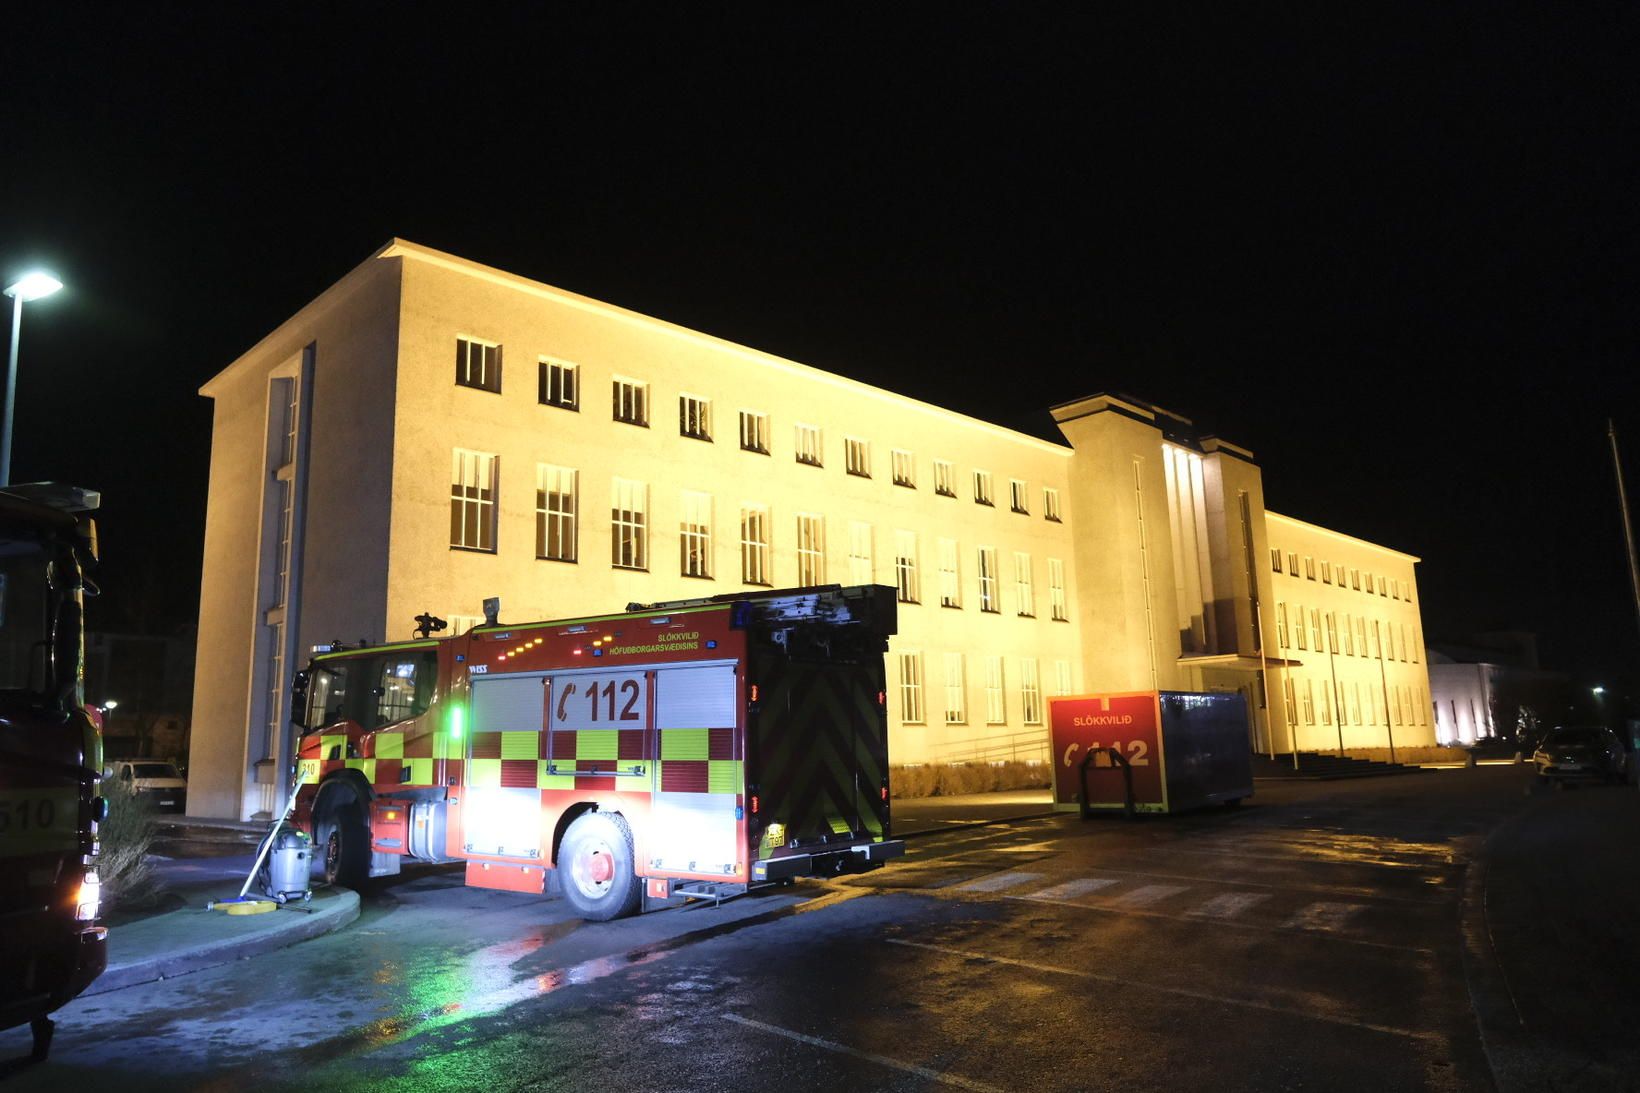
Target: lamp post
(31, 286)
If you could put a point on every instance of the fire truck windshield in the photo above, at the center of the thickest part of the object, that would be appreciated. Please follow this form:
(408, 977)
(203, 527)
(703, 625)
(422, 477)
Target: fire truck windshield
(29, 602)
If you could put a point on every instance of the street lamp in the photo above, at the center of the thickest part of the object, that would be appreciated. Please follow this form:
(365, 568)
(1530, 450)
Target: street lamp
(31, 286)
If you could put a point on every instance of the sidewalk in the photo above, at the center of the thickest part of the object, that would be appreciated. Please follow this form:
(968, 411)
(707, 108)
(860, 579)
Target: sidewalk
(925, 815)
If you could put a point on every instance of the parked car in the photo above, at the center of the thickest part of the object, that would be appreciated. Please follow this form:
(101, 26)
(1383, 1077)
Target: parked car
(1593, 753)
(152, 780)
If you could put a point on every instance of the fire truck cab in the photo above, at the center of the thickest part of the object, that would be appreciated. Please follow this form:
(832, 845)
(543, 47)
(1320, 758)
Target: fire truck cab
(693, 749)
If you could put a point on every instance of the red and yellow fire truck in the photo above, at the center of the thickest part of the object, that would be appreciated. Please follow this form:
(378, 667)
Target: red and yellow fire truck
(680, 750)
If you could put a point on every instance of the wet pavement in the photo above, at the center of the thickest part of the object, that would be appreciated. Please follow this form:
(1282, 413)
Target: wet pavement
(1328, 936)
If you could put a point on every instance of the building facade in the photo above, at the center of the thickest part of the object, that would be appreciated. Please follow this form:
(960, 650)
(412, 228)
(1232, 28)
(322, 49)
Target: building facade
(430, 432)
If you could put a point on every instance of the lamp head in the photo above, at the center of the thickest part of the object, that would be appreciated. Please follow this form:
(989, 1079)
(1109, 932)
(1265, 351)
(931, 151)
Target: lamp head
(32, 286)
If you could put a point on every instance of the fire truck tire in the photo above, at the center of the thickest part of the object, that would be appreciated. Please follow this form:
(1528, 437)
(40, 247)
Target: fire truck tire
(596, 862)
(347, 849)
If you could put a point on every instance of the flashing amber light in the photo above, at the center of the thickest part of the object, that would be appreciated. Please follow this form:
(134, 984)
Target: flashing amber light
(885, 793)
(882, 698)
(391, 815)
(754, 804)
(754, 699)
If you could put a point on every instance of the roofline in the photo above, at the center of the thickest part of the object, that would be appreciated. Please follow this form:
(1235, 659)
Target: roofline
(1268, 516)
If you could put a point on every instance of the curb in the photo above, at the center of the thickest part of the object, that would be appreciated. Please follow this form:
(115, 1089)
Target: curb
(963, 825)
(337, 908)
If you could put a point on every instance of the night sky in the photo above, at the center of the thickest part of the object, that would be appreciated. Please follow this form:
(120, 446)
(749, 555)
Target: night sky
(1393, 255)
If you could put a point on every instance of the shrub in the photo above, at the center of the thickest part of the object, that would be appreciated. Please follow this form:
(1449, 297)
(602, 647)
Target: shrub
(954, 779)
(126, 837)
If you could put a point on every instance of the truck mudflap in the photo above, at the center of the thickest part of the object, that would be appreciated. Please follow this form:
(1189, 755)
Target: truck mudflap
(827, 863)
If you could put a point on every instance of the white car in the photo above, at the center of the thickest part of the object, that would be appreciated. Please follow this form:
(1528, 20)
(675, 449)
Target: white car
(153, 780)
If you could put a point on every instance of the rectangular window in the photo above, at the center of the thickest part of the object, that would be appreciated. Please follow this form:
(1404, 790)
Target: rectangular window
(1326, 705)
(982, 488)
(811, 549)
(1315, 629)
(950, 589)
(632, 402)
(1309, 567)
(478, 364)
(1024, 592)
(956, 697)
(560, 384)
(861, 566)
(905, 567)
(1281, 625)
(1275, 560)
(1326, 572)
(911, 689)
(1050, 504)
(1349, 637)
(945, 479)
(1355, 579)
(988, 598)
(555, 505)
(996, 708)
(695, 535)
(808, 445)
(905, 471)
(472, 501)
(1291, 702)
(754, 544)
(1062, 677)
(1300, 635)
(1361, 637)
(1292, 563)
(857, 456)
(629, 525)
(1415, 643)
(1309, 702)
(1056, 591)
(1030, 691)
(1018, 498)
(695, 417)
(1355, 703)
(1332, 631)
(1381, 591)
(754, 432)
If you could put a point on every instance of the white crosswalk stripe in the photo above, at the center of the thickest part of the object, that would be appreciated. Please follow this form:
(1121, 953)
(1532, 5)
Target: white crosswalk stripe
(1230, 904)
(1323, 916)
(1073, 889)
(1148, 894)
(998, 881)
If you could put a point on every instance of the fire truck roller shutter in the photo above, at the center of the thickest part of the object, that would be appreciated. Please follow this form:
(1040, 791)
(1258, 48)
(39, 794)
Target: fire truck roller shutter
(501, 808)
(700, 776)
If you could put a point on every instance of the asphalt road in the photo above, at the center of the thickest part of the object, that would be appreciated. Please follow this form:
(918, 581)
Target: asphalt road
(1450, 930)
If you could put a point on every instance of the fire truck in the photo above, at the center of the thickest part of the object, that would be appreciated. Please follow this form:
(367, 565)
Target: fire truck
(686, 750)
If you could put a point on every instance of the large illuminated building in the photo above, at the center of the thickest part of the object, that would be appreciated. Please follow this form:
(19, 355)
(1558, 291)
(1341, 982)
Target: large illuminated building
(430, 432)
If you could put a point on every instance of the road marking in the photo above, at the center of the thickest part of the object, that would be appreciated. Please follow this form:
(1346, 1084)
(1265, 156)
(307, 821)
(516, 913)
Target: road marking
(1230, 904)
(1071, 889)
(999, 881)
(1245, 882)
(1182, 992)
(882, 1060)
(1328, 917)
(1302, 859)
(1147, 894)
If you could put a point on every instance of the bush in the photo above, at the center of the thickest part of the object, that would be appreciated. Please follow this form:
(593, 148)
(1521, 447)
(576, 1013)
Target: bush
(126, 837)
(954, 779)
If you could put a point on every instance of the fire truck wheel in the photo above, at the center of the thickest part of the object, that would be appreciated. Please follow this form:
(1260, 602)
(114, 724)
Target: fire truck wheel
(596, 859)
(347, 849)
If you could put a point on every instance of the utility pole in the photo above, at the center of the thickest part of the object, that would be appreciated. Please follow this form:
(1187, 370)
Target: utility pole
(1383, 681)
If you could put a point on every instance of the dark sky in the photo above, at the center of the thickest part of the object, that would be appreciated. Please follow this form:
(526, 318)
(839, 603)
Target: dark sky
(1395, 255)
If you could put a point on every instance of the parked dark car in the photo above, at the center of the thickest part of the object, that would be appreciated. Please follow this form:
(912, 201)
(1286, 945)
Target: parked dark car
(1592, 753)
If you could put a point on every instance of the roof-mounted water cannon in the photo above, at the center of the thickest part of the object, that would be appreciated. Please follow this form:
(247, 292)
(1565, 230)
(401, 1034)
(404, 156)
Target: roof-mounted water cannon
(492, 611)
(429, 624)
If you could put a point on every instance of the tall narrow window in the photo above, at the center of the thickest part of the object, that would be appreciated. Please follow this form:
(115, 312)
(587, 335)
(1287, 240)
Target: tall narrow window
(1018, 499)
(1309, 567)
(695, 535)
(950, 588)
(629, 525)
(754, 432)
(560, 384)
(1292, 563)
(982, 488)
(1275, 560)
(1281, 625)
(1326, 705)
(1061, 677)
(996, 708)
(631, 402)
(911, 689)
(1291, 703)
(1030, 691)
(1300, 634)
(905, 471)
(1315, 629)
(1050, 504)
(857, 456)
(861, 569)
(808, 445)
(1326, 572)
(811, 549)
(555, 505)
(695, 417)
(945, 479)
(754, 544)
(478, 364)
(905, 567)
(472, 501)
(988, 598)
(1349, 636)
(1024, 592)
(1309, 702)
(1056, 591)
(956, 691)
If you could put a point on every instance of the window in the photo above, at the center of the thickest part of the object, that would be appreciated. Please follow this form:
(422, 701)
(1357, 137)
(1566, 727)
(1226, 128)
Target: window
(1415, 643)
(1349, 637)
(1381, 591)
(405, 685)
(1050, 504)
(988, 580)
(808, 445)
(911, 689)
(1024, 593)
(1361, 637)
(1355, 703)
(754, 544)
(1309, 702)
(1355, 579)
(472, 501)
(861, 569)
(1292, 703)
(478, 364)
(754, 432)
(560, 384)
(1394, 589)
(956, 699)
(950, 594)
(1300, 635)
(905, 566)
(1326, 572)
(945, 479)
(1018, 499)
(1326, 705)
(1292, 563)
(1315, 629)
(857, 456)
(1030, 691)
(1056, 591)
(1275, 560)
(695, 535)
(629, 525)
(1281, 625)
(695, 417)
(1332, 631)
(905, 472)
(996, 708)
(555, 513)
(982, 488)
(811, 549)
(632, 402)
(1309, 567)
(1062, 677)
